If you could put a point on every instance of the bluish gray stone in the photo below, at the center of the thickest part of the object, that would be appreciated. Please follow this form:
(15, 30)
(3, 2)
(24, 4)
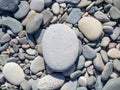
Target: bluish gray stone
(81, 62)
(33, 83)
(1, 33)
(82, 88)
(89, 52)
(72, 1)
(116, 65)
(116, 3)
(23, 10)
(3, 59)
(25, 85)
(98, 84)
(48, 2)
(9, 5)
(115, 33)
(23, 40)
(75, 74)
(14, 25)
(74, 16)
(5, 38)
(4, 47)
(104, 56)
(108, 29)
(34, 23)
(91, 81)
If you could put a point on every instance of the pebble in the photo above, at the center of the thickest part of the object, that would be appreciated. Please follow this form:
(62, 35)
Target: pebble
(116, 3)
(82, 81)
(81, 62)
(88, 52)
(114, 13)
(104, 56)
(37, 65)
(91, 81)
(113, 53)
(11, 71)
(98, 63)
(1, 33)
(39, 49)
(88, 63)
(34, 23)
(30, 15)
(3, 59)
(72, 1)
(14, 25)
(22, 11)
(37, 5)
(109, 1)
(107, 71)
(116, 65)
(2, 79)
(82, 88)
(87, 27)
(5, 38)
(98, 84)
(56, 8)
(4, 47)
(60, 1)
(110, 23)
(74, 16)
(105, 41)
(112, 84)
(31, 51)
(108, 29)
(33, 83)
(75, 75)
(51, 82)
(47, 16)
(48, 2)
(90, 70)
(25, 85)
(115, 34)
(58, 41)
(9, 5)
(101, 16)
(112, 45)
(84, 3)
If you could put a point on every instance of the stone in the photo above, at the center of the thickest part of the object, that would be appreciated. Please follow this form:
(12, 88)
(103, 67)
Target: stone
(48, 2)
(82, 81)
(34, 23)
(23, 40)
(2, 79)
(13, 73)
(115, 34)
(109, 1)
(51, 82)
(81, 62)
(4, 47)
(116, 65)
(59, 38)
(31, 51)
(37, 65)
(90, 70)
(25, 85)
(30, 15)
(23, 10)
(56, 8)
(112, 84)
(88, 25)
(113, 53)
(82, 88)
(110, 23)
(91, 81)
(75, 75)
(72, 1)
(112, 45)
(14, 25)
(104, 56)
(98, 84)
(105, 41)
(1, 33)
(88, 52)
(84, 3)
(5, 38)
(47, 16)
(37, 5)
(9, 5)
(98, 63)
(74, 16)
(114, 13)
(108, 29)
(107, 71)
(88, 63)
(116, 3)
(33, 83)
(60, 1)
(3, 59)
(101, 16)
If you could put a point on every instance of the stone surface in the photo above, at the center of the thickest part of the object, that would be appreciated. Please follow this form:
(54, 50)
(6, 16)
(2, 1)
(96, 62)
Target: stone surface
(3, 59)
(82, 88)
(74, 16)
(98, 84)
(105, 41)
(113, 53)
(116, 3)
(91, 81)
(59, 38)
(5, 38)
(37, 5)
(81, 62)
(25, 85)
(51, 82)
(84, 3)
(116, 65)
(23, 10)
(88, 52)
(115, 34)
(56, 8)
(75, 75)
(104, 56)
(13, 73)
(108, 29)
(31, 51)
(82, 81)
(88, 25)
(72, 1)
(34, 23)
(37, 64)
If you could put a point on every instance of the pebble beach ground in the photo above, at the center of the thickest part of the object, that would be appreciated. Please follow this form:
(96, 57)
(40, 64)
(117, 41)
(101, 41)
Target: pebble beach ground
(59, 44)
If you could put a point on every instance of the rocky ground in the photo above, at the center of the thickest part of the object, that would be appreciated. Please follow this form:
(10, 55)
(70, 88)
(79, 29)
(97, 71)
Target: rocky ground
(59, 44)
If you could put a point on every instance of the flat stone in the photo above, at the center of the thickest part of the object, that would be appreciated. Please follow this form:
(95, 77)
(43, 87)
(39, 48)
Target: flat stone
(109, 1)
(33, 83)
(115, 34)
(82, 81)
(116, 65)
(37, 64)
(1, 33)
(51, 82)
(11, 71)
(114, 53)
(37, 5)
(23, 10)
(112, 84)
(88, 52)
(98, 63)
(84, 3)
(9, 5)
(107, 71)
(114, 13)
(5, 38)
(98, 84)
(48, 2)
(82, 88)
(14, 25)
(108, 29)
(56, 8)
(81, 62)
(3, 59)
(88, 63)
(101, 16)
(90, 70)
(88, 25)
(34, 23)
(116, 3)
(91, 81)
(72, 1)
(75, 75)
(74, 16)
(104, 56)
(31, 51)
(105, 41)
(25, 85)
(56, 40)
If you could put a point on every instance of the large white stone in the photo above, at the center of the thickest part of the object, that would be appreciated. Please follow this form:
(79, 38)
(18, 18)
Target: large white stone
(13, 73)
(90, 27)
(60, 47)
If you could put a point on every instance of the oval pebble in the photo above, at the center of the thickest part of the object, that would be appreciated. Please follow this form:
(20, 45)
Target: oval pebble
(58, 40)
(13, 73)
(56, 8)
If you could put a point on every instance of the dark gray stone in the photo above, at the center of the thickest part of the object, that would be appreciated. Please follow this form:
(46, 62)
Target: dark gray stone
(108, 29)
(72, 1)
(48, 2)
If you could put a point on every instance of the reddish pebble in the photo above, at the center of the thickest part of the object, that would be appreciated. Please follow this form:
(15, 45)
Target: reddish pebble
(112, 45)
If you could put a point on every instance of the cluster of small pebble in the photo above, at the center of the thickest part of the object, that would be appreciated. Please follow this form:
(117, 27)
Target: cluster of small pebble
(59, 44)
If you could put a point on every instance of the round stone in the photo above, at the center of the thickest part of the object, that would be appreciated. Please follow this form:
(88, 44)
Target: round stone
(51, 82)
(116, 65)
(88, 25)
(58, 47)
(56, 8)
(13, 73)
(82, 81)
